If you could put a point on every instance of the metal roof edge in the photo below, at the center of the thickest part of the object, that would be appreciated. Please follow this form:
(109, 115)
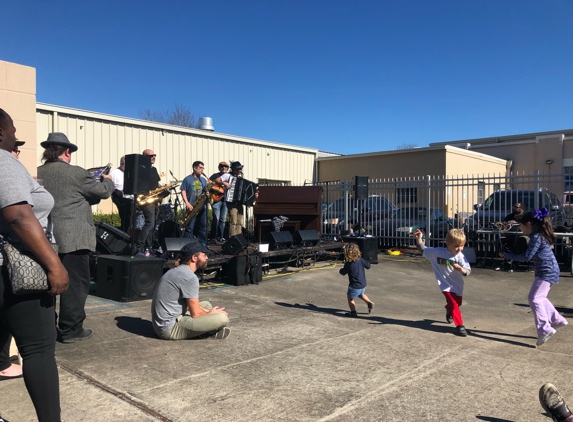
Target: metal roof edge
(509, 138)
(168, 127)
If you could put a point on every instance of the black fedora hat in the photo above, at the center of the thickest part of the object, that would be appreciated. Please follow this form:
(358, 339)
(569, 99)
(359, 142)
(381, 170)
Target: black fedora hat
(19, 143)
(236, 165)
(58, 138)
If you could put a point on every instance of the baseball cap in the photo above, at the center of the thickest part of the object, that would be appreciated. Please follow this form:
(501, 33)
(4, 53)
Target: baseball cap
(193, 248)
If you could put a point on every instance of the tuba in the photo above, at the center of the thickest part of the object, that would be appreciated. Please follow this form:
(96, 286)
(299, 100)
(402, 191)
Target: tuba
(156, 195)
(198, 205)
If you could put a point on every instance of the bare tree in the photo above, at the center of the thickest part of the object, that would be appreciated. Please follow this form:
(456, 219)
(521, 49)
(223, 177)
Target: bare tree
(180, 115)
(407, 145)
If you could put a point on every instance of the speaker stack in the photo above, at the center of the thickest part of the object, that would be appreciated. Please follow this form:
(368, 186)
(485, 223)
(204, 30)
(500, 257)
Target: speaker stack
(235, 245)
(126, 279)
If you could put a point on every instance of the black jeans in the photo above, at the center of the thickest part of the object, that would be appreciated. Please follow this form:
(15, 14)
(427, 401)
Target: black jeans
(73, 301)
(124, 208)
(146, 235)
(30, 319)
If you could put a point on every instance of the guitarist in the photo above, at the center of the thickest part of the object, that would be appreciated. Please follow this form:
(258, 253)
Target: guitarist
(219, 205)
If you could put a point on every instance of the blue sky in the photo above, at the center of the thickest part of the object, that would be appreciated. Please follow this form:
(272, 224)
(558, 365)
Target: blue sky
(341, 76)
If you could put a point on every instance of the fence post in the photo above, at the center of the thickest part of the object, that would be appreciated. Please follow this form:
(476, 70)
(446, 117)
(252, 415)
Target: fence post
(536, 196)
(428, 217)
(346, 204)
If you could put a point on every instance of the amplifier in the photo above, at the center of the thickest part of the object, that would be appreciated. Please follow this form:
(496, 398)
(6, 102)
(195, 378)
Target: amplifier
(110, 240)
(368, 246)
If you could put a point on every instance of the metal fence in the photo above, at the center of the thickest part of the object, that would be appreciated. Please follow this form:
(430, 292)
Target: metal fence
(393, 209)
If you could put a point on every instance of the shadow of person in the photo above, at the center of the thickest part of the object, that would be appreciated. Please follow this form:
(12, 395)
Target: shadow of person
(139, 326)
(424, 324)
(492, 419)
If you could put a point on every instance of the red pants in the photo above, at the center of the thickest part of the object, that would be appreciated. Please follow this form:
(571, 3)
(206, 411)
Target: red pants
(454, 303)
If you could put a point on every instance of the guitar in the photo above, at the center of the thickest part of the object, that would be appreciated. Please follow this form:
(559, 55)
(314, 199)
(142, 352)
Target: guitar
(217, 193)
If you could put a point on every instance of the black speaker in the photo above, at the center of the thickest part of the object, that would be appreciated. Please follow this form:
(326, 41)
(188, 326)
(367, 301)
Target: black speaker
(234, 245)
(361, 187)
(245, 269)
(306, 237)
(278, 240)
(137, 174)
(125, 279)
(368, 246)
(174, 244)
(110, 240)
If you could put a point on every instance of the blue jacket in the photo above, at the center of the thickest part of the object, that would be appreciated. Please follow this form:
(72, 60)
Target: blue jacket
(539, 250)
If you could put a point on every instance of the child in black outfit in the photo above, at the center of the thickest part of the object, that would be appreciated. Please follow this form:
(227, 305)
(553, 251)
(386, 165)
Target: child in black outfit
(354, 267)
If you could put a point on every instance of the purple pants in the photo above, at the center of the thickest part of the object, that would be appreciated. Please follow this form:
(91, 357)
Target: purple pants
(544, 313)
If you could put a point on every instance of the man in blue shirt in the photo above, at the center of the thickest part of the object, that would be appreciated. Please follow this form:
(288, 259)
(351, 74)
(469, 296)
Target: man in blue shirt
(192, 186)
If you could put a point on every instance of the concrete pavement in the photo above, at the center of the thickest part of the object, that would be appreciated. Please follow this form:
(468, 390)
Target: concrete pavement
(293, 356)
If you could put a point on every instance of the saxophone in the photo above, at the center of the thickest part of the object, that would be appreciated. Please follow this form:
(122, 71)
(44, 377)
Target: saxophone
(156, 195)
(197, 205)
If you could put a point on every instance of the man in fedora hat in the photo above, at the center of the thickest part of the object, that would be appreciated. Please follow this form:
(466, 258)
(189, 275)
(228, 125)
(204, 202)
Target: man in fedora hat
(74, 191)
(16, 150)
(176, 313)
(235, 207)
(220, 206)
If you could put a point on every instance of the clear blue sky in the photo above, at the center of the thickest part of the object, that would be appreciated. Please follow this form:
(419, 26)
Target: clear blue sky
(341, 76)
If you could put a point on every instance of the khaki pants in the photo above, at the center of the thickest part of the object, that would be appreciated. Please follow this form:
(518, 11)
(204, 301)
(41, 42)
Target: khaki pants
(235, 218)
(187, 327)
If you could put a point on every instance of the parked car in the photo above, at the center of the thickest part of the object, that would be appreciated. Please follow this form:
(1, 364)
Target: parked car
(363, 211)
(499, 204)
(399, 229)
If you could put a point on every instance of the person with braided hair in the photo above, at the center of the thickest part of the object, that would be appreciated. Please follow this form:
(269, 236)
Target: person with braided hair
(537, 225)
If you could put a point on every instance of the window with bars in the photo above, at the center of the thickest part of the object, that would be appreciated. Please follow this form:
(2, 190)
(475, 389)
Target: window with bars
(568, 178)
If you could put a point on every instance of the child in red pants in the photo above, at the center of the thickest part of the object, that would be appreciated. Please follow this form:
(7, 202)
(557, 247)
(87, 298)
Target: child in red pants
(450, 266)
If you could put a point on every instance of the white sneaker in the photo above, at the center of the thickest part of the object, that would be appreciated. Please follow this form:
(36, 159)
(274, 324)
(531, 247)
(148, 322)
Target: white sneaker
(546, 337)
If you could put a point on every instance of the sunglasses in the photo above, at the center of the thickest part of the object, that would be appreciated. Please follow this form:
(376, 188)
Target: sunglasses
(151, 155)
(16, 151)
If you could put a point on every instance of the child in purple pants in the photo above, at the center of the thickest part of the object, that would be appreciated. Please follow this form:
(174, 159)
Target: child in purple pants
(537, 225)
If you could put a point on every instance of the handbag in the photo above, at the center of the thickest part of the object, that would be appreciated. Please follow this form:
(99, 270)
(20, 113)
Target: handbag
(27, 274)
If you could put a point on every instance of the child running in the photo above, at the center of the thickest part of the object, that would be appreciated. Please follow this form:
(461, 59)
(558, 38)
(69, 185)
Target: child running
(450, 266)
(537, 225)
(354, 267)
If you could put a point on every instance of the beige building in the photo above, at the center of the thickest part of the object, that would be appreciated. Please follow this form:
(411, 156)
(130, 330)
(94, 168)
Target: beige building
(104, 138)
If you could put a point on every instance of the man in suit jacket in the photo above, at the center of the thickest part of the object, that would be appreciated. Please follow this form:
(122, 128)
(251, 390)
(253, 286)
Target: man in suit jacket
(74, 192)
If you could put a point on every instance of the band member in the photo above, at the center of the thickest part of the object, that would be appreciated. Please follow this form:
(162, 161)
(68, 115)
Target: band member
(16, 150)
(145, 239)
(193, 186)
(121, 201)
(220, 207)
(74, 191)
(235, 208)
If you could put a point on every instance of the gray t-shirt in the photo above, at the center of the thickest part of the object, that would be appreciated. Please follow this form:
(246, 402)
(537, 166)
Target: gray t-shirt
(170, 297)
(16, 185)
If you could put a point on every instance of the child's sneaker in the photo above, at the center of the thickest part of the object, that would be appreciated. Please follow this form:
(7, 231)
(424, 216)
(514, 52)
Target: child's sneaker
(543, 339)
(351, 314)
(553, 403)
(370, 307)
(449, 318)
(461, 331)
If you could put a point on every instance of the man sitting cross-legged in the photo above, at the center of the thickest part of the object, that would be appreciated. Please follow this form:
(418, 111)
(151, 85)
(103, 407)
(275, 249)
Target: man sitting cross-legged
(176, 311)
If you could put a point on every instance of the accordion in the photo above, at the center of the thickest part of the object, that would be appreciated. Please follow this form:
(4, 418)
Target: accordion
(242, 191)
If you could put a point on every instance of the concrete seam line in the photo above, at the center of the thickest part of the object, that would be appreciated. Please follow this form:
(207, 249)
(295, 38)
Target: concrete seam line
(403, 380)
(121, 396)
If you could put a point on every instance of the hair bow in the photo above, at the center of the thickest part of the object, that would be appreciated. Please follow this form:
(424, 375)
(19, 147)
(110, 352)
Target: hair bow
(540, 214)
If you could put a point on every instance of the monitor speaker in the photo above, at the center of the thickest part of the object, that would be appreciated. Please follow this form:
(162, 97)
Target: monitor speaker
(361, 187)
(368, 246)
(174, 244)
(279, 240)
(125, 279)
(137, 174)
(245, 269)
(306, 237)
(234, 245)
(110, 240)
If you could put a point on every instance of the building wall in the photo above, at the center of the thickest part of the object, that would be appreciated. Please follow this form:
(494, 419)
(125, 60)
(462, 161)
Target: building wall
(103, 139)
(18, 99)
